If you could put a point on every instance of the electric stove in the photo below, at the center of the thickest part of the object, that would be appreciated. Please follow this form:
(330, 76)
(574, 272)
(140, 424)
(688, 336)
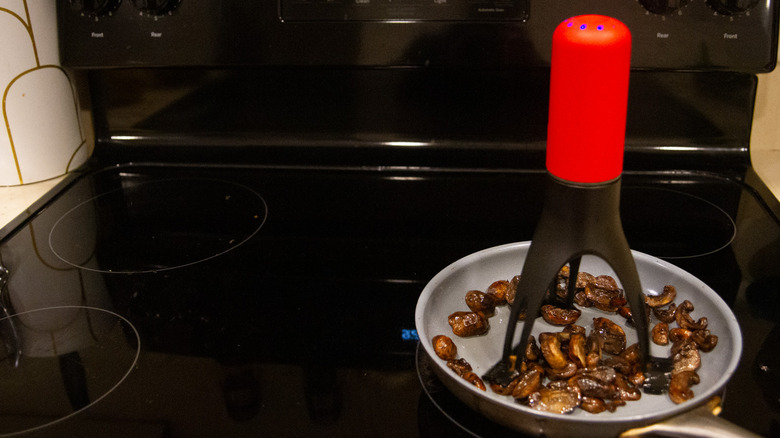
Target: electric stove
(243, 253)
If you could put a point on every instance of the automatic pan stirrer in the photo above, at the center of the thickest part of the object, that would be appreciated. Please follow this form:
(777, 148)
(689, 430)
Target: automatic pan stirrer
(586, 134)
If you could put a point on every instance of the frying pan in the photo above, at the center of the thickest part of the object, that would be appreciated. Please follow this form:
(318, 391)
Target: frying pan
(445, 294)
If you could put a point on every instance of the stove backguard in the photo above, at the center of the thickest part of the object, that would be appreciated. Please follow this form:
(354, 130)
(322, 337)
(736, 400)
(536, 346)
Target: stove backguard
(689, 35)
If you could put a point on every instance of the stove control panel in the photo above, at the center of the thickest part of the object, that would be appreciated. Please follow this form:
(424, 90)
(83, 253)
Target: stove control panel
(728, 35)
(94, 9)
(404, 10)
(663, 7)
(732, 7)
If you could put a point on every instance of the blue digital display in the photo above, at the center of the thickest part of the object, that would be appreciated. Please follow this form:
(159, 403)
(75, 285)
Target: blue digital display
(409, 335)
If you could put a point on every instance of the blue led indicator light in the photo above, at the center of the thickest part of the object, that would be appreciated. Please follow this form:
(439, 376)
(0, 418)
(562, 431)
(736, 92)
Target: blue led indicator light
(569, 24)
(583, 26)
(600, 27)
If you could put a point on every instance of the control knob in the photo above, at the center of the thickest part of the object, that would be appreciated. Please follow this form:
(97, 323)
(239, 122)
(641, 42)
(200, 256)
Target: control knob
(94, 8)
(156, 7)
(732, 7)
(663, 7)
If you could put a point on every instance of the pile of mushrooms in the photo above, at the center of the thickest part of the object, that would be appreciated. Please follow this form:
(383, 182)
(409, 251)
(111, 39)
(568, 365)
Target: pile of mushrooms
(573, 368)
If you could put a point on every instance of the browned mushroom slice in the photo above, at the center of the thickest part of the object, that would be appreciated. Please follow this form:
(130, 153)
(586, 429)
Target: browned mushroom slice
(568, 371)
(504, 390)
(600, 372)
(680, 386)
(685, 357)
(627, 391)
(637, 378)
(560, 400)
(593, 345)
(596, 388)
(625, 312)
(480, 302)
(559, 316)
(560, 289)
(550, 345)
(581, 299)
(631, 354)
(667, 296)
(574, 328)
(613, 335)
(684, 319)
(460, 366)
(577, 349)
(584, 279)
(497, 290)
(466, 324)
(660, 333)
(633, 361)
(681, 344)
(665, 315)
(528, 383)
(606, 283)
(532, 351)
(616, 303)
(628, 314)
(603, 293)
(474, 379)
(562, 283)
(620, 364)
(604, 299)
(512, 291)
(594, 405)
(596, 382)
(678, 334)
(527, 366)
(444, 347)
(704, 340)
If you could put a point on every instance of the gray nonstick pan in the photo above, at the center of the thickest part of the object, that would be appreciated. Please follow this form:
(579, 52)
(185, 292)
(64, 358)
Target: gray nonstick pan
(445, 294)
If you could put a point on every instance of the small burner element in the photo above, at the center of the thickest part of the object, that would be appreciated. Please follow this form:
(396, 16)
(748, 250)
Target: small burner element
(672, 225)
(157, 225)
(94, 350)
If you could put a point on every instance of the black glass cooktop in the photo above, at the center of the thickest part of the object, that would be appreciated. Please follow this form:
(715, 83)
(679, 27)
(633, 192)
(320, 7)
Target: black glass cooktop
(202, 301)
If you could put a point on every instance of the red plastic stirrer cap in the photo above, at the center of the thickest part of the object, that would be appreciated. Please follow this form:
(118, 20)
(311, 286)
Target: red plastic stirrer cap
(591, 60)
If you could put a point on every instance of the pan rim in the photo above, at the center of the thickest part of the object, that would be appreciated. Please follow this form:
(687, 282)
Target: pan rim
(702, 396)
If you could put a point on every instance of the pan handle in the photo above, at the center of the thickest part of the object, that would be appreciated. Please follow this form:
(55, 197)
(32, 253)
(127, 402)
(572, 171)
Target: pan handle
(701, 422)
